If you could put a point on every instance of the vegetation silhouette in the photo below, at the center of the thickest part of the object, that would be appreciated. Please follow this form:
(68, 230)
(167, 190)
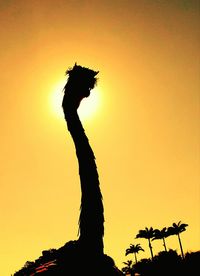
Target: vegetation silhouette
(84, 256)
(91, 222)
(161, 234)
(147, 233)
(134, 249)
(176, 229)
(128, 268)
(153, 234)
(165, 263)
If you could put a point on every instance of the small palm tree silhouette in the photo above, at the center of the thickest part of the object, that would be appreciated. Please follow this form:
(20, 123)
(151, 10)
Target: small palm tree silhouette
(127, 269)
(176, 229)
(147, 233)
(161, 234)
(134, 249)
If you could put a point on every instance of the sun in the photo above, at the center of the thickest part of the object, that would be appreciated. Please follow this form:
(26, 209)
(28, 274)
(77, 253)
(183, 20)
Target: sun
(87, 109)
(90, 106)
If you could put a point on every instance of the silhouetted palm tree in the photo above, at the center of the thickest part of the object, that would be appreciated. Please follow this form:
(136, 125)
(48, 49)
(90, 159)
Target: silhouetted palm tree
(127, 269)
(161, 234)
(176, 229)
(147, 234)
(134, 249)
(91, 221)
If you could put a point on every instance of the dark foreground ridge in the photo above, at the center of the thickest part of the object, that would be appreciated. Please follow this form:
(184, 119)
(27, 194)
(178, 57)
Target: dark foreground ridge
(69, 260)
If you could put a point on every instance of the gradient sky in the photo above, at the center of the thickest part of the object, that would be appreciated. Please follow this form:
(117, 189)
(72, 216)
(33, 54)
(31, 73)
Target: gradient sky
(145, 131)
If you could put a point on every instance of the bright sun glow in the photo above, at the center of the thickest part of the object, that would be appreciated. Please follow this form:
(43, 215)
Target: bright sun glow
(87, 108)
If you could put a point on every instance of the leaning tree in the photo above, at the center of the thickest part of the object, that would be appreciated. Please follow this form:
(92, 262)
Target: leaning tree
(176, 229)
(161, 235)
(147, 233)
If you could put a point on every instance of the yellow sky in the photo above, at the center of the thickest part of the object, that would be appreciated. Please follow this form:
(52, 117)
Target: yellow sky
(145, 132)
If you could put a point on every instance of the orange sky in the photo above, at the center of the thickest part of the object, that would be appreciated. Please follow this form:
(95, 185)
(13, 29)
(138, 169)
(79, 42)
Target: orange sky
(145, 132)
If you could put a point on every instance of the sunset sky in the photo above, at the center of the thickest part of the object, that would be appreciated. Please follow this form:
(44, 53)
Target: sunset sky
(142, 122)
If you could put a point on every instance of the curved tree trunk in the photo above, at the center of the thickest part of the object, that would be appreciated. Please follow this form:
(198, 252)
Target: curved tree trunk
(91, 229)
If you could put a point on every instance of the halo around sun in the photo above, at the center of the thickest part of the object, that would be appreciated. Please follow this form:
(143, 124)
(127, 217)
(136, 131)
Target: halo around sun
(88, 107)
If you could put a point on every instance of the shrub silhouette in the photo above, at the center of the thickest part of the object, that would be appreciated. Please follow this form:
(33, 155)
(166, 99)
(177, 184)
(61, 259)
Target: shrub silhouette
(169, 264)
